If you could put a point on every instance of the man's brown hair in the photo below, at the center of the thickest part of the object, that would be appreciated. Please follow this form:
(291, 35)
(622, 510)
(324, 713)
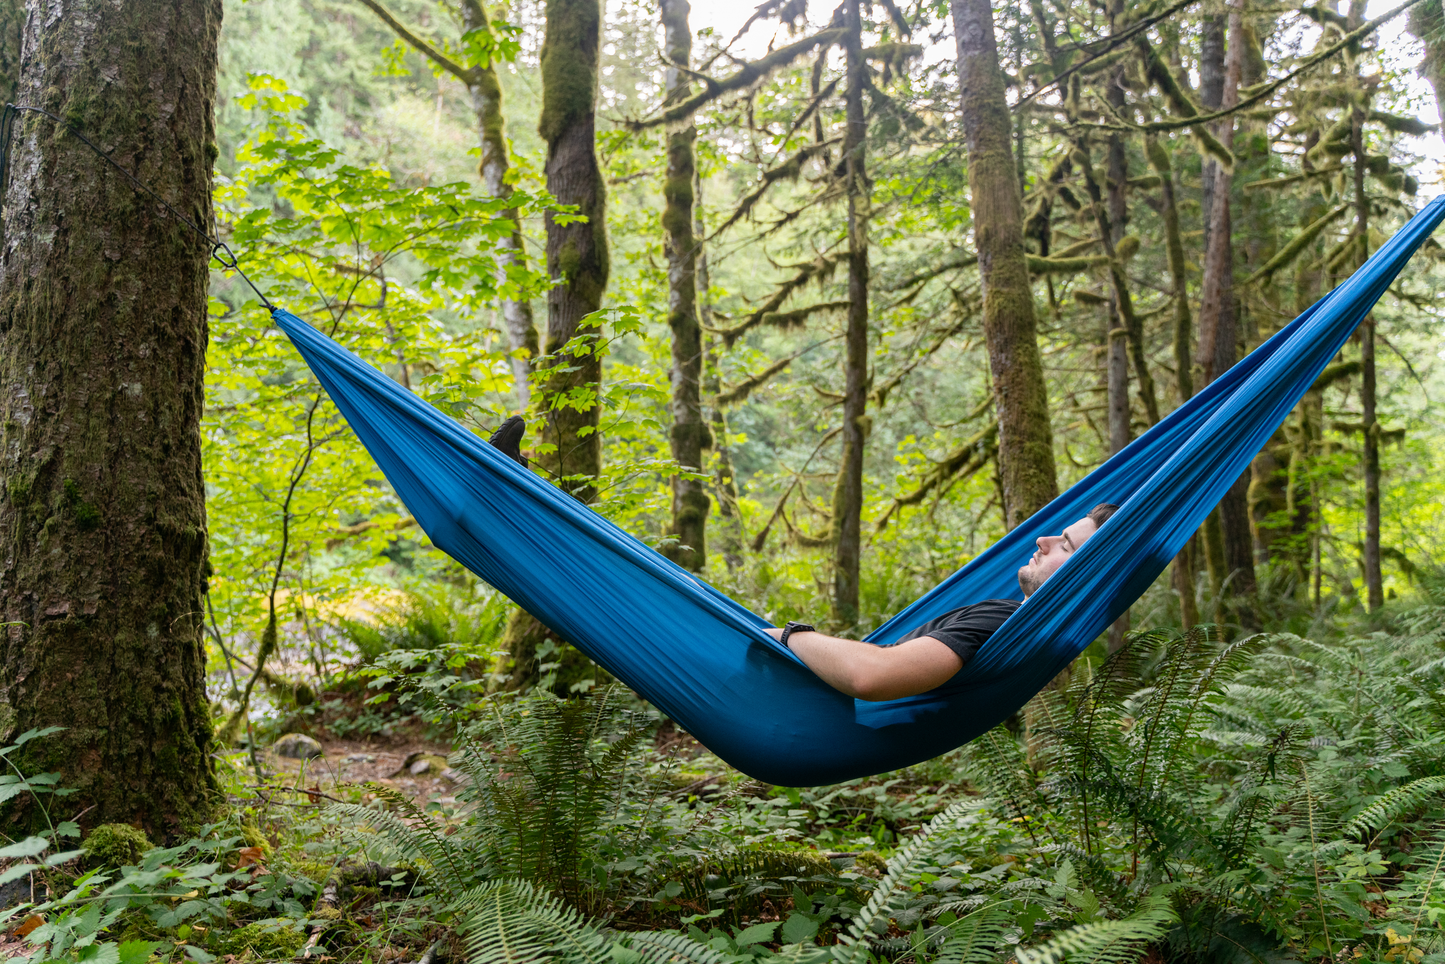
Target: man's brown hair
(1100, 513)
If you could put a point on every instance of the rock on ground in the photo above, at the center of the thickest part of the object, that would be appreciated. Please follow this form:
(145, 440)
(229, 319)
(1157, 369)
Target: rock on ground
(298, 746)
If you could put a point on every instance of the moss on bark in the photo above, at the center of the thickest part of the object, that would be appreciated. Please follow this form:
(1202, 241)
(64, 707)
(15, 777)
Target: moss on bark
(1026, 450)
(577, 254)
(102, 353)
(689, 434)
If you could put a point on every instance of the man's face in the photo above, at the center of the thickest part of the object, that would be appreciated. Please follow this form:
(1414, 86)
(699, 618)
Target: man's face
(1052, 552)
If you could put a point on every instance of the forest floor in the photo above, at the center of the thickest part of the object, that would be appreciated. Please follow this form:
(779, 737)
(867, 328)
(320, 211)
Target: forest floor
(413, 767)
(417, 767)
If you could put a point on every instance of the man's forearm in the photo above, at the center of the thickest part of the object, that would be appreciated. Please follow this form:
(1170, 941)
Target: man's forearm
(843, 664)
(868, 672)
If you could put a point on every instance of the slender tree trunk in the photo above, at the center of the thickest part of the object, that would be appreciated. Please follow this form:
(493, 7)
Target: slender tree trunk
(1218, 337)
(571, 449)
(690, 501)
(1121, 309)
(486, 91)
(1026, 448)
(1374, 581)
(1211, 93)
(1183, 568)
(102, 353)
(725, 487)
(848, 494)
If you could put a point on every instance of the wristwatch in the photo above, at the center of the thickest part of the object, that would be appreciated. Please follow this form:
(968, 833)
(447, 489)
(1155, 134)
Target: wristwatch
(792, 628)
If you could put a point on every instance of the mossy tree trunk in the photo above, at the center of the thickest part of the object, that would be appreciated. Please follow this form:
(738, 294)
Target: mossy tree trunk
(690, 500)
(102, 353)
(1183, 568)
(1027, 476)
(848, 492)
(1374, 579)
(12, 23)
(1219, 336)
(571, 449)
(729, 534)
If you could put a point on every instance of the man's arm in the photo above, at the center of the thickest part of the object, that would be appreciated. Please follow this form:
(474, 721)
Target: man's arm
(869, 672)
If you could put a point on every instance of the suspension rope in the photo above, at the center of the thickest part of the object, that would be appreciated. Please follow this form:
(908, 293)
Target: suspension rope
(220, 251)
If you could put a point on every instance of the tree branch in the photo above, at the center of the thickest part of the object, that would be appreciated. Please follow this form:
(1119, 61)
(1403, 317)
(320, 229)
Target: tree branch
(464, 74)
(746, 76)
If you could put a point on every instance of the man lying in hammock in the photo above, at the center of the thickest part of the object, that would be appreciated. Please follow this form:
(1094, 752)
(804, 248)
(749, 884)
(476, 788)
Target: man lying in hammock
(924, 659)
(930, 655)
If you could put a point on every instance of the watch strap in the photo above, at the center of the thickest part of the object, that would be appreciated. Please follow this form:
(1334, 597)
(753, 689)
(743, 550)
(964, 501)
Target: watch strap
(794, 627)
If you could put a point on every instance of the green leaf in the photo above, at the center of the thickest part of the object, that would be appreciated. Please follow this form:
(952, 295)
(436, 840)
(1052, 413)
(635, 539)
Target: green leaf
(798, 928)
(104, 953)
(198, 955)
(29, 847)
(137, 952)
(757, 934)
(29, 735)
(16, 872)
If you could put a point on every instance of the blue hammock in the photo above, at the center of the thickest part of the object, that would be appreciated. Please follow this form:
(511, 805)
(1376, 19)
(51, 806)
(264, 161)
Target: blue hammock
(704, 660)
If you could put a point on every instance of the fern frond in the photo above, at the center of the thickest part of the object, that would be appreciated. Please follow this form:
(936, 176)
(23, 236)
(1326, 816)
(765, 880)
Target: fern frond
(512, 922)
(1107, 942)
(1390, 805)
(664, 947)
(415, 838)
(976, 938)
(903, 866)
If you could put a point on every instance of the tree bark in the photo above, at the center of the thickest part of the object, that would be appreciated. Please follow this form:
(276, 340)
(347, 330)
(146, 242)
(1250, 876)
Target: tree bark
(1027, 476)
(577, 253)
(486, 91)
(690, 502)
(725, 486)
(1218, 337)
(102, 353)
(1374, 579)
(1427, 23)
(12, 23)
(848, 493)
(1183, 568)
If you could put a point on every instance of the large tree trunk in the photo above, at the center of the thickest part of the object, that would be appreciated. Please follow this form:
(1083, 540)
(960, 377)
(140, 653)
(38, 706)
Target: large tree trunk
(848, 493)
(1218, 338)
(1025, 438)
(576, 252)
(571, 450)
(690, 501)
(102, 352)
(486, 90)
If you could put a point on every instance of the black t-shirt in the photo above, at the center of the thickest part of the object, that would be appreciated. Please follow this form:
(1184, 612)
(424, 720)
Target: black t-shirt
(964, 629)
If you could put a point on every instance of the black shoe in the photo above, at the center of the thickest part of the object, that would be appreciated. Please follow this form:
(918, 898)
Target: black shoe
(508, 439)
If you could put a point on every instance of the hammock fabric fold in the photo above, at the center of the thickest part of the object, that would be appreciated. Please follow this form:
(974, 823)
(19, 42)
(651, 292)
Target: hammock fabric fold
(703, 658)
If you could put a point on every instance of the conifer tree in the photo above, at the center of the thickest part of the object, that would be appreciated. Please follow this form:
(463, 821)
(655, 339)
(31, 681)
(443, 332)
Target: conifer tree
(102, 352)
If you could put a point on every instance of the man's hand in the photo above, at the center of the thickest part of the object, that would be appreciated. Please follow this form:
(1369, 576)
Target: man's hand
(868, 672)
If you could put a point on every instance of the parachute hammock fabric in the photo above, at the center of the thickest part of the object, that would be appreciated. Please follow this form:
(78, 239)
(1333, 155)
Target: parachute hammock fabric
(703, 658)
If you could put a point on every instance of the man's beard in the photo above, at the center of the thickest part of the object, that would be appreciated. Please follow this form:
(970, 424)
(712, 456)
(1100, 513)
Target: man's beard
(1029, 581)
